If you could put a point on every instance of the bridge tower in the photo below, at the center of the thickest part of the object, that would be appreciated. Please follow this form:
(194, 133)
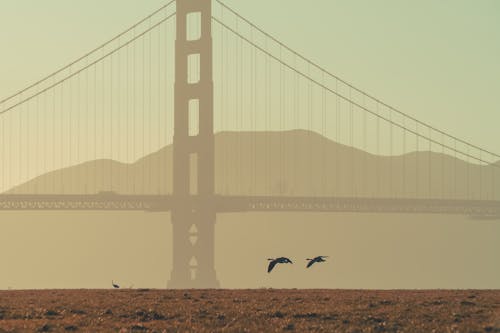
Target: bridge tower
(193, 214)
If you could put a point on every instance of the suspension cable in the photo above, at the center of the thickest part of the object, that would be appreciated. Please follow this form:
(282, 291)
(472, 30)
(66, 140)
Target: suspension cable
(88, 53)
(103, 57)
(409, 130)
(321, 68)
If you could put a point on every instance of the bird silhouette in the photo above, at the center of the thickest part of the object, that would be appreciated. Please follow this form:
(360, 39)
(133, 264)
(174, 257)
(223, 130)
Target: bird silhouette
(115, 285)
(315, 260)
(280, 260)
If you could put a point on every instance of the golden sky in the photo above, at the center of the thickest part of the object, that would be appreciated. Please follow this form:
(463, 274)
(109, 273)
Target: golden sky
(438, 61)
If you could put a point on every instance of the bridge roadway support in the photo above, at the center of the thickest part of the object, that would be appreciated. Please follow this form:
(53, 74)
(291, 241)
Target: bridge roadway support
(193, 211)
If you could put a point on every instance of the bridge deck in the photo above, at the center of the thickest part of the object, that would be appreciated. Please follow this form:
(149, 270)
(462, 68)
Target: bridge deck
(250, 203)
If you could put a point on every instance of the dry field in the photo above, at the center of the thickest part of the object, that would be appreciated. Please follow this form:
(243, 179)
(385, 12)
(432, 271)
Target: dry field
(263, 310)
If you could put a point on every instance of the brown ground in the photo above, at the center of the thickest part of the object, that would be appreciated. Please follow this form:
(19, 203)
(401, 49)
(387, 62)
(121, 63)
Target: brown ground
(144, 310)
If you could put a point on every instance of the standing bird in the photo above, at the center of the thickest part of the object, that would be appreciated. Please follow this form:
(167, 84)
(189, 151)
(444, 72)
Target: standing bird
(115, 285)
(280, 260)
(314, 260)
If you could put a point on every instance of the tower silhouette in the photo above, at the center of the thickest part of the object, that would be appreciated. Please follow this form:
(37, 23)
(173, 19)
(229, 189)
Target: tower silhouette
(193, 214)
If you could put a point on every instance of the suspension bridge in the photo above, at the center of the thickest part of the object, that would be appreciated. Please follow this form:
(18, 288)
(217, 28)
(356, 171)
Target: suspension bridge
(197, 111)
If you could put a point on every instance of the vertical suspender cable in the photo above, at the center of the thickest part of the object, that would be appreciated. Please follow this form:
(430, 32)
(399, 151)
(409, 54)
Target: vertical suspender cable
(455, 167)
(86, 131)
(391, 157)
(365, 151)
(54, 191)
(241, 141)
(379, 157)
(351, 144)
(37, 138)
(404, 158)
(77, 131)
(480, 166)
(309, 129)
(19, 141)
(295, 102)
(257, 147)
(323, 134)
(417, 166)
(119, 115)
(219, 148)
(95, 127)
(70, 136)
(225, 115)
(338, 190)
(252, 119)
(280, 123)
(266, 108)
(430, 165)
(150, 108)
(442, 167)
(28, 142)
(493, 170)
(225, 106)
(168, 122)
(254, 110)
(111, 116)
(61, 139)
(143, 110)
(468, 173)
(237, 108)
(102, 120)
(43, 184)
(158, 120)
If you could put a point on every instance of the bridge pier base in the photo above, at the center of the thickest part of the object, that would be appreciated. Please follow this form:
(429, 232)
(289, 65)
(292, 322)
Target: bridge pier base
(193, 248)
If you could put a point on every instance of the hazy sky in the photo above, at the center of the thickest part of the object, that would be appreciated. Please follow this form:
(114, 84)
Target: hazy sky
(435, 60)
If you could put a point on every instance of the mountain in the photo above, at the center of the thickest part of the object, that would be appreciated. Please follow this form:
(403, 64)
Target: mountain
(285, 163)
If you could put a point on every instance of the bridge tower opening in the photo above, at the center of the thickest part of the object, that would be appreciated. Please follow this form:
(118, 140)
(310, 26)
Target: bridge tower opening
(193, 214)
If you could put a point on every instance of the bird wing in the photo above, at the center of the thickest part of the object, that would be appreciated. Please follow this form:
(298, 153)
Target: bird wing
(271, 266)
(310, 263)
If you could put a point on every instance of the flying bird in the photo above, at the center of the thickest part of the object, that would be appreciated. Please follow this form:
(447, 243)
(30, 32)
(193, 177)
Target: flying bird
(280, 260)
(315, 260)
(115, 285)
